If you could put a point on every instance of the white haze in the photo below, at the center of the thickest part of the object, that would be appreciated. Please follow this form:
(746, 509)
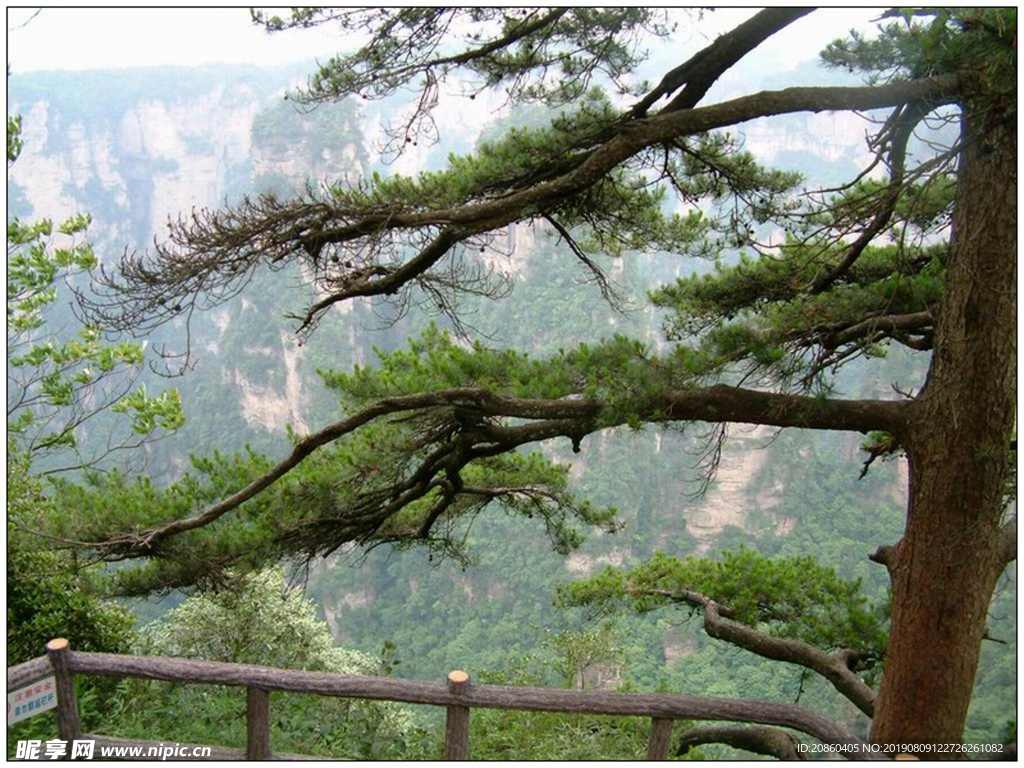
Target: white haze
(107, 38)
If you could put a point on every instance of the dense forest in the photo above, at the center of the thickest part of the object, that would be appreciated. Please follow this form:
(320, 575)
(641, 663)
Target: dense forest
(600, 296)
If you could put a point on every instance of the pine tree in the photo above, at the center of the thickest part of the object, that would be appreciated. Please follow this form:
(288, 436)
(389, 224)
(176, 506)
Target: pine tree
(918, 251)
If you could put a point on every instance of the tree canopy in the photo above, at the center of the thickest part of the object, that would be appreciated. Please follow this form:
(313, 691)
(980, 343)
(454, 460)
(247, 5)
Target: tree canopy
(917, 250)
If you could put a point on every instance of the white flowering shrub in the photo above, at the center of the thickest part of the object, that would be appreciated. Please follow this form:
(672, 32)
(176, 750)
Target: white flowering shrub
(260, 620)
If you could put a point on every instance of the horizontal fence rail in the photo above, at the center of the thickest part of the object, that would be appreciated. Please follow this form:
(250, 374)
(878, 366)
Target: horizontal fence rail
(457, 694)
(21, 675)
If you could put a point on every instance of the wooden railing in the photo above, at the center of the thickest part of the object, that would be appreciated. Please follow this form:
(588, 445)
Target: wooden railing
(458, 695)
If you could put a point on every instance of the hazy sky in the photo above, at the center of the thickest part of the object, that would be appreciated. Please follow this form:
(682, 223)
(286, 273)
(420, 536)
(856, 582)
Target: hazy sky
(84, 38)
(90, 38)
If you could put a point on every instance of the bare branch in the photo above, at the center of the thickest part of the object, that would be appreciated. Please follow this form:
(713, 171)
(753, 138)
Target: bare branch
(913, 321)
(700, 72)
(884, 447)
(25, 23)
(897, 132)
(607, 292)
(772, 742)
(833, 668)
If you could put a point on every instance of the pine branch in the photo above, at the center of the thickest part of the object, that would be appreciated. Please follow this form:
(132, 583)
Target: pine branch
(545, 419)
(833, 668)
(217, 251)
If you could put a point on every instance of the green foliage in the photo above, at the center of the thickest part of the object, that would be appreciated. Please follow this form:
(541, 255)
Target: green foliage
(151, 413)
(535, 54)
(49, 595)
(764, 285)
(283, 127)
(978, 43)
(258, 620)
(757, 313)
(33, 269)
(578, 651)
(621, 212)
(14, 140)
(787, 597)
(118, 501)
(621, 372)
(56, 384)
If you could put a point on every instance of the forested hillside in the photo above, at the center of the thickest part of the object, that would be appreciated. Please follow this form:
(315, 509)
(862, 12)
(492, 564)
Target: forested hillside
(135, 148)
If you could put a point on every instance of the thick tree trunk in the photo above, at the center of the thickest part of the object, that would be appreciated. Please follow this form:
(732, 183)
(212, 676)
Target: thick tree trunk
(945, 568)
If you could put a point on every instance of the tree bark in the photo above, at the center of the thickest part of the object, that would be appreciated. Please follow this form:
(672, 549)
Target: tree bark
(832, 668)
(836, 668)
(702, 70)
(773, 742)
(945, 568)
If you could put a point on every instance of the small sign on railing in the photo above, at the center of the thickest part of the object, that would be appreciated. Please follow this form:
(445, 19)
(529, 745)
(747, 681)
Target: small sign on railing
(25, 702)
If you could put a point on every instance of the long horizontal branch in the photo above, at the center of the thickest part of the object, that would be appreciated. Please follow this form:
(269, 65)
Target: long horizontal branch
(633, 137)
(641, 134)
(302, 449)
(547, 418)
(722, 403)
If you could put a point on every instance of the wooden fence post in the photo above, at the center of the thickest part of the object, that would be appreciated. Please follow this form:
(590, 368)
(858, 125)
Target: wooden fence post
(456, 730)
(68, 728)
(660, 738)
(257, 724)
